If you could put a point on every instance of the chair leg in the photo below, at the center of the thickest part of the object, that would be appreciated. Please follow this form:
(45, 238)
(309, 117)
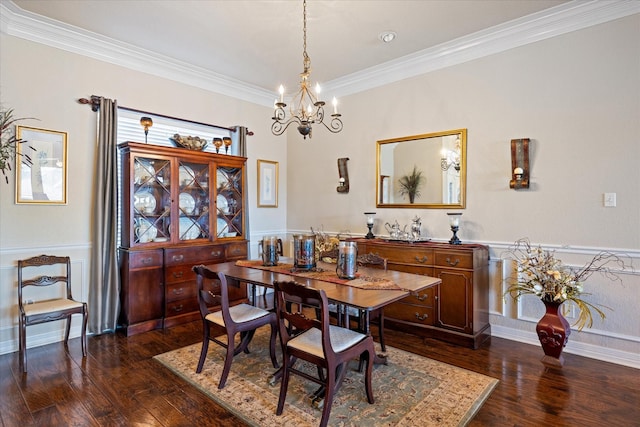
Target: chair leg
(228, 360)
(84, 333)
(272, 344)
(22, 344)
(287, 362)
(367, 377)
(205, 348)
(328, 398)
(68, 330)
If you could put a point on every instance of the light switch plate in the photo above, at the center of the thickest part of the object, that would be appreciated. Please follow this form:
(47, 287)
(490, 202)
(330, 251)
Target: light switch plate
(610, 200)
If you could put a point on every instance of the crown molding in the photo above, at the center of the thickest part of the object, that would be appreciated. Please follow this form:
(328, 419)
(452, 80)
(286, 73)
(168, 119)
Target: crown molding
(562, 19)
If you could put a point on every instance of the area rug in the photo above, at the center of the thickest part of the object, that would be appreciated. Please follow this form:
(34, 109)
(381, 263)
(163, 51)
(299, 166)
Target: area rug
(410, 390)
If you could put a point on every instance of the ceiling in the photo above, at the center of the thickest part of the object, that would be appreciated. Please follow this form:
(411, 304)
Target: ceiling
(259, 43)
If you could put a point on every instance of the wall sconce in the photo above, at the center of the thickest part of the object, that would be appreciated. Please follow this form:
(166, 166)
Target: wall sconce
(146, 123)
(370, 225)
(454, 222)
(451, 157)
(343, 181)
(519, 163)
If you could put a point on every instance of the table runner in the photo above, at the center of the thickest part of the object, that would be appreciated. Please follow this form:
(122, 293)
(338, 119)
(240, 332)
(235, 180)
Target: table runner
(360, 282)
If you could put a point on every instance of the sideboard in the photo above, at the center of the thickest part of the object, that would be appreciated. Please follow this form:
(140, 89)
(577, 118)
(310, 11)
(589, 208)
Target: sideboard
(455, 311)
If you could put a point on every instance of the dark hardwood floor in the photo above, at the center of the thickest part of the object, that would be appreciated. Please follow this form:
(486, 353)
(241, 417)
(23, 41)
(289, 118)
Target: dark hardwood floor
(118, 384)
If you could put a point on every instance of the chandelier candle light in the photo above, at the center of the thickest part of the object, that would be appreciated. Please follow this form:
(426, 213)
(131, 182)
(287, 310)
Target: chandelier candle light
(306, 109)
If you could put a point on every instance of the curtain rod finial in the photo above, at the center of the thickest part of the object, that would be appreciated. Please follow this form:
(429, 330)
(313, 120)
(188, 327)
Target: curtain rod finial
(94, 101)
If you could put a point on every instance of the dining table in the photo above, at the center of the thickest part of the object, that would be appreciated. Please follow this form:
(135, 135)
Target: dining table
(373, 289)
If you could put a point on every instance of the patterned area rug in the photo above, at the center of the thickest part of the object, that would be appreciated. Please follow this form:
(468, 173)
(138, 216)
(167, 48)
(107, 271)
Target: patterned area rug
(411, 390)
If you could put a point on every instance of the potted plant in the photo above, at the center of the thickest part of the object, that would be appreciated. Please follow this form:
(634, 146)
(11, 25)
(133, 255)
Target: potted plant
(540, 273)
(9, 142)
(410, 184)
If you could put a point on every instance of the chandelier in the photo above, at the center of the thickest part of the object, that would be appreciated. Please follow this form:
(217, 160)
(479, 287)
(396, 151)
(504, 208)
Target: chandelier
(306, 109)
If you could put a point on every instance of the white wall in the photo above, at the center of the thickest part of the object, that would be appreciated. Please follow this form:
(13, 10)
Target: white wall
(577, 97)
(44, 82)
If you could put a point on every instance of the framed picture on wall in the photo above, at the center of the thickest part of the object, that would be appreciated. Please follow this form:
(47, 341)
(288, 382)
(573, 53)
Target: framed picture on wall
(267, 184)
(43, 179)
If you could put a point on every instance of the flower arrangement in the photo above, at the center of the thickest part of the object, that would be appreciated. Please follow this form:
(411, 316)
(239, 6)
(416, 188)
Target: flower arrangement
(540, 273)
(324, 242)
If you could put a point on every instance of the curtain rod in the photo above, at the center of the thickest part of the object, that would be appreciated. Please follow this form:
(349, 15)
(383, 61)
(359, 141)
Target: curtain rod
(95, 105)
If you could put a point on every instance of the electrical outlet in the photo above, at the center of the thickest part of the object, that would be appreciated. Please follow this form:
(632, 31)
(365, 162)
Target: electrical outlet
(610, 200)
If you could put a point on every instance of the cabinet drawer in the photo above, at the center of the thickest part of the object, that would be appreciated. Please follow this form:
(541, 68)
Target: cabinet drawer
(236, 250)
(179, 273)
(410, 313)
(193, 255)
(423, 298)
(405, 255)
(454, 259)
(176, 291)
(182, 306)
(145, 259)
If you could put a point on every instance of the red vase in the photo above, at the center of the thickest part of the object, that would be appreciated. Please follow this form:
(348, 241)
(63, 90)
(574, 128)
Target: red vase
(553, 331)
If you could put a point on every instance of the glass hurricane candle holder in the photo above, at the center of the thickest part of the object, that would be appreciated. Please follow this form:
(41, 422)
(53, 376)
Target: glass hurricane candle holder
(454, 222)
(370, 225)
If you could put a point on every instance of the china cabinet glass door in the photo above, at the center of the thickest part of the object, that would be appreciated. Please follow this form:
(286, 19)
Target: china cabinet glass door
(193, 201)
(229, 202)
(151, 200)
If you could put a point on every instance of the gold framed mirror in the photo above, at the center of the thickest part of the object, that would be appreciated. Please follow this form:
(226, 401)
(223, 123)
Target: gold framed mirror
(427, 171)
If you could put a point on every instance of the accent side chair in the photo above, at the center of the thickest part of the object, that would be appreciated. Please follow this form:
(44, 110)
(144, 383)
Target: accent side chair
(241, 319)
(34, 272)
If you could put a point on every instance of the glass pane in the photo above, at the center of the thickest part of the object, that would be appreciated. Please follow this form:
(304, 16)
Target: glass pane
(151, 199)
(229, 202)
(193, 200)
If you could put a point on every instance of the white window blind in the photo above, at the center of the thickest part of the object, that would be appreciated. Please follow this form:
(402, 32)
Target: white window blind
(129, 129)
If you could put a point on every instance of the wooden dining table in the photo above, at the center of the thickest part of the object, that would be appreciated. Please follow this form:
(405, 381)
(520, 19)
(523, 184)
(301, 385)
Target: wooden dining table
(364, 299)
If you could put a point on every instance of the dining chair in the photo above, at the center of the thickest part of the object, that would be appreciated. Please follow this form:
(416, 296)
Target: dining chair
(241, 319)
(47, 271)
(315, 340)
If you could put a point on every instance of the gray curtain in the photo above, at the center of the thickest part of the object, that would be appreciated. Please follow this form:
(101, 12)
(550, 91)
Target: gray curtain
(104, 287)
(240, 136)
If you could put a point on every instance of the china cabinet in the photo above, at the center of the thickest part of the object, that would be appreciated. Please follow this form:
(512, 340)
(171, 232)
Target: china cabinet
(179, 208)
(457, 310)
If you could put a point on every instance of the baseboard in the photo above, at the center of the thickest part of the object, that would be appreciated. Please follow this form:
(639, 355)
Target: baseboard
(618, 357)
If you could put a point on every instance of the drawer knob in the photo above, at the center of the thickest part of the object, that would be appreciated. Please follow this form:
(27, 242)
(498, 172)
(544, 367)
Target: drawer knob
(420, 297)
(178, 257)
(216, 254)
(146, 260)
(422, 260)
(178, 308)
(452, 263)
(179, 291)
(422, 317)
(177, 274)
